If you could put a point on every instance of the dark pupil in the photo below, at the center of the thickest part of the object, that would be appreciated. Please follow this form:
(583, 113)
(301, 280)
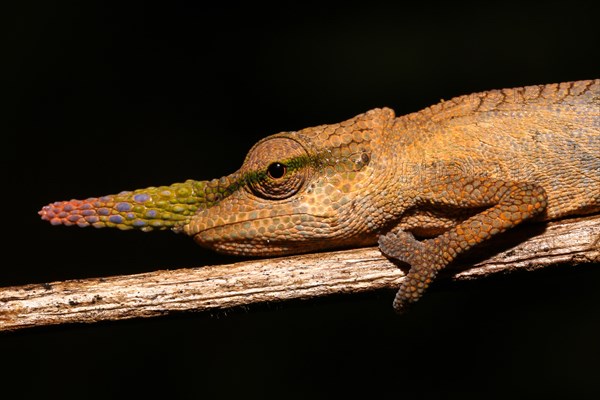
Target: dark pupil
(276, 170)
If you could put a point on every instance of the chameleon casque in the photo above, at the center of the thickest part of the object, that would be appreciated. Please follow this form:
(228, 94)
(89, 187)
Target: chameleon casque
(426, 186)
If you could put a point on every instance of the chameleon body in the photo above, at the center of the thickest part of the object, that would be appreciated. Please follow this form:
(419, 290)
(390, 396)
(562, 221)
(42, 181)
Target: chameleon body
(426, 186)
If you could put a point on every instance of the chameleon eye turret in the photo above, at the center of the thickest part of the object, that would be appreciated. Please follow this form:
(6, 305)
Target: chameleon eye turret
(277, 168)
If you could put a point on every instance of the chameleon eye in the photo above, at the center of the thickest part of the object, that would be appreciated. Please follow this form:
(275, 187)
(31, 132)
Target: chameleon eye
(276, 180)
(276, 170)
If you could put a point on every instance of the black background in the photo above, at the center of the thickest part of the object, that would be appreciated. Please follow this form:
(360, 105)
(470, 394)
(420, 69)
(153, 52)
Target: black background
(104, 97)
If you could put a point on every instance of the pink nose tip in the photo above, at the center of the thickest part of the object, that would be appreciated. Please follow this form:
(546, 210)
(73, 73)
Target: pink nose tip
(77, 212)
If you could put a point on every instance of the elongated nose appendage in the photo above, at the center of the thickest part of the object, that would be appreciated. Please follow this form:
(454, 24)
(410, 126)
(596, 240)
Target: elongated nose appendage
(165, 207)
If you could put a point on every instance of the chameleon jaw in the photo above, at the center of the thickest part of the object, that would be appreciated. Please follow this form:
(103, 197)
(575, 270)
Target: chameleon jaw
(282, 234)
(270, 248)
(255, 249)
(277, 236)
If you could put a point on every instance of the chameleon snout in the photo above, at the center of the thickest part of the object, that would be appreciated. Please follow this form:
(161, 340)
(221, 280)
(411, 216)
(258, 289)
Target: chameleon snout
(165, 207)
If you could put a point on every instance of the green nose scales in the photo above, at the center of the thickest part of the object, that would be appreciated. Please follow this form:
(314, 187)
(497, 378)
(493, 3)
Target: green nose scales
(145, 209)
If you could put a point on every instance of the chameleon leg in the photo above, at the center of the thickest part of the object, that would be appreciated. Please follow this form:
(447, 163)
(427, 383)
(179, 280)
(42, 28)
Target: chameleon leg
(509, 203)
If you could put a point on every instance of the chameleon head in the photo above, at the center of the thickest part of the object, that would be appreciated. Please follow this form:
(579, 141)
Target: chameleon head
(295, 192)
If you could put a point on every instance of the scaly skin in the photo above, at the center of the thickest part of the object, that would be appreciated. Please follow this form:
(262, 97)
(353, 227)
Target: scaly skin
(454, 175)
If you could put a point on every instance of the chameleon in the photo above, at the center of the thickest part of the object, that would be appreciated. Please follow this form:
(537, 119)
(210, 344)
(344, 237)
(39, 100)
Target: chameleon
(426, 187)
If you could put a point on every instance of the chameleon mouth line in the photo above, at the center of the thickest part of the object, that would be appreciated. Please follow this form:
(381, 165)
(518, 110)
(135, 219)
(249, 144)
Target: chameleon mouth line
(314, 218)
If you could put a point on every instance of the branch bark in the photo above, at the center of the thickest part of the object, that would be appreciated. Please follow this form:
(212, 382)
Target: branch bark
(568, 243)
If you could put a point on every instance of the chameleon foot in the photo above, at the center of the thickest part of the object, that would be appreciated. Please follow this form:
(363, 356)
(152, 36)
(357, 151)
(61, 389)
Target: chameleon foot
(509, 204)
(424, 264)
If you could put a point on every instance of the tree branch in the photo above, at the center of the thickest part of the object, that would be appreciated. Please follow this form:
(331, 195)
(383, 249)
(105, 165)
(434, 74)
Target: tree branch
(568, 242)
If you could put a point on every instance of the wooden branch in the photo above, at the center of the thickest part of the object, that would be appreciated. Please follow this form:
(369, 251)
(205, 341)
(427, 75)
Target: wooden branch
(568, 242)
